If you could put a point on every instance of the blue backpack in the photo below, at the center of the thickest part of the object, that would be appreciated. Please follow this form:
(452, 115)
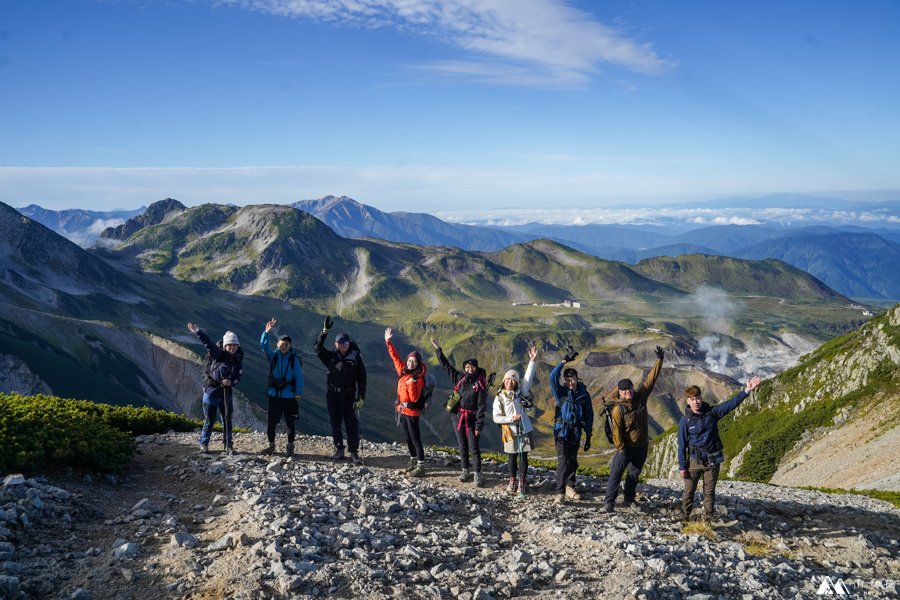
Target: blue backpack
(570, 412)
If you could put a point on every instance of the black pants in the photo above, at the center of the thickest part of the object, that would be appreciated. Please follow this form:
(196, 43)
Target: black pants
(278, 407)
(566, 464)
(632, 457)
(340, 410)
(469, 444)
(515, 467)
(410, 426)
(709, 473)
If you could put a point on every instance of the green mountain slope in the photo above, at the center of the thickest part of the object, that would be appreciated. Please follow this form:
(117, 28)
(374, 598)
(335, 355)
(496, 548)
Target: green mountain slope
(768, 277)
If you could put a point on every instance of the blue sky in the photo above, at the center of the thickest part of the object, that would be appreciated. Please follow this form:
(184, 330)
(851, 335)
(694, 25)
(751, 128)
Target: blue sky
(445, 105)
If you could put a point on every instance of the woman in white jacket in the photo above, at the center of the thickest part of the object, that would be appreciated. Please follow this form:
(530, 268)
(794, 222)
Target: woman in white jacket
(509, 412)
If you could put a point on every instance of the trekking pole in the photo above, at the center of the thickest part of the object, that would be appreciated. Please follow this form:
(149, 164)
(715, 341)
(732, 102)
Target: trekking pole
(520, 434)
(226, 428)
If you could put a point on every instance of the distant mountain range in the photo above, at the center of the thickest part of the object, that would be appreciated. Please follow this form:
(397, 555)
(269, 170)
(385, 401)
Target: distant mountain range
(80, 226)
(854, 261)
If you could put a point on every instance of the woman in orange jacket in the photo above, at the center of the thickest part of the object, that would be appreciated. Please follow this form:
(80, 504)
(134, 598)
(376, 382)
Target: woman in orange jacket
(410, 402)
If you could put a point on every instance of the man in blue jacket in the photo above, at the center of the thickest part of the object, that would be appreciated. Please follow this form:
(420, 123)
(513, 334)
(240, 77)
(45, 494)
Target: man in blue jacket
(574, 414)
(224, 364)
(285, 386)
(700, 447)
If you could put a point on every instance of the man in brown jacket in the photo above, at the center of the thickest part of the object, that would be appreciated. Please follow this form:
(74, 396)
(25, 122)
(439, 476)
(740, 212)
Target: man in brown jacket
(630, 434)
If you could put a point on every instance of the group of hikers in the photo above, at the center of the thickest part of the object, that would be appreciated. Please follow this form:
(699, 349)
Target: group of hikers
(700, 448)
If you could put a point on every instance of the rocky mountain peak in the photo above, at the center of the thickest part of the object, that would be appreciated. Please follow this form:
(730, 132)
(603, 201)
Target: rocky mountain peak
(156, 213)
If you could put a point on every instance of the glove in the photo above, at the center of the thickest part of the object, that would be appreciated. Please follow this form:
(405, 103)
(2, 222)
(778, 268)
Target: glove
(660, 353)
(329, 323)
(570, 354)
(587, 444)
(490, 380)
(297, 397)
(359, 403)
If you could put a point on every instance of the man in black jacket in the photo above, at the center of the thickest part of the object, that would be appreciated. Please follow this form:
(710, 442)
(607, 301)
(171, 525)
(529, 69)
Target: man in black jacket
(467, 416)
(346, 389)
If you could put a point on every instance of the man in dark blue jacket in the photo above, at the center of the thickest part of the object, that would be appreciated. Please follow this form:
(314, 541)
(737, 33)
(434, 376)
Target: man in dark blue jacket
(224, 365)
(700, 447)
(285, 386)
(574, 414)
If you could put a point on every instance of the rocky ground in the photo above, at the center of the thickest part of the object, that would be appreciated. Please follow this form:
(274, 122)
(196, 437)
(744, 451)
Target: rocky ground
(181, 524)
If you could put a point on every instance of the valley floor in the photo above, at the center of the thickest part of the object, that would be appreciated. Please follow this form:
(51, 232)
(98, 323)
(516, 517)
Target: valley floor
(181, 524)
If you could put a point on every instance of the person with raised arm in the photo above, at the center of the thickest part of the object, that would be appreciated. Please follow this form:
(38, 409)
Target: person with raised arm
(700, 449)
(411, 392)
(574, 414)
(467, 414)
(285, 386)
(509, 412)
(224, 365)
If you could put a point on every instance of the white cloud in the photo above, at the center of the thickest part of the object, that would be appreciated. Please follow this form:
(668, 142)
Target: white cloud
(526, 42)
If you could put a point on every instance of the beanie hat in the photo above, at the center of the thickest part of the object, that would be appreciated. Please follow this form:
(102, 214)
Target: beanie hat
(415, 354)
(344, 337)
(471, 361)
(285, 338)
(511, 374)
(230, 338)
(625, 384)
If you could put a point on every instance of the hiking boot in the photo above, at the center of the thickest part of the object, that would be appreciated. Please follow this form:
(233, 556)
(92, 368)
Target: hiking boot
(270, 449)
(680, 517)
(355, 459)
(338, 454)
(609, 508)
(479, 479)
(561, 499)
(412, 465)
(521, 488)
(289, 449)
(513, 485)
(418, 471)
(571, 493)
(204, 448)
(229, 450)
(464, 474)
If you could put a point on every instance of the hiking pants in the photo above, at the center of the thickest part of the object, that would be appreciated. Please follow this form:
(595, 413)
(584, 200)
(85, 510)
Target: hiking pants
(278, 407)
(469, 444)
(210, 414)
(340, 409)
(710, 474)
(632, 457)
(566, 464)
(410, 426)
(515, 467)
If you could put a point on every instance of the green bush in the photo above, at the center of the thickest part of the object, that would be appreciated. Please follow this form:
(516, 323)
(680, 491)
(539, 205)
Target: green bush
(39, 432)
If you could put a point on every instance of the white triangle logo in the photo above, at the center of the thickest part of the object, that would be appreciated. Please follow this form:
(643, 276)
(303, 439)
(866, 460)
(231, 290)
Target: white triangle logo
(830, 588)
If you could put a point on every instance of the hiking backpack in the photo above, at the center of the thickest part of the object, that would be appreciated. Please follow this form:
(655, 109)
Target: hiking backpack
(570, 412)
(607, 410)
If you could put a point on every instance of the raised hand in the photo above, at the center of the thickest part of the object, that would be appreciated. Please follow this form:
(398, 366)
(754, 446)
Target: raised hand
(329, 323)
(435, 344)
(272, 323)
(660, 353)
(193, 328)
(532, 352)
(388, 334)
(753, 383)
(570, 354)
